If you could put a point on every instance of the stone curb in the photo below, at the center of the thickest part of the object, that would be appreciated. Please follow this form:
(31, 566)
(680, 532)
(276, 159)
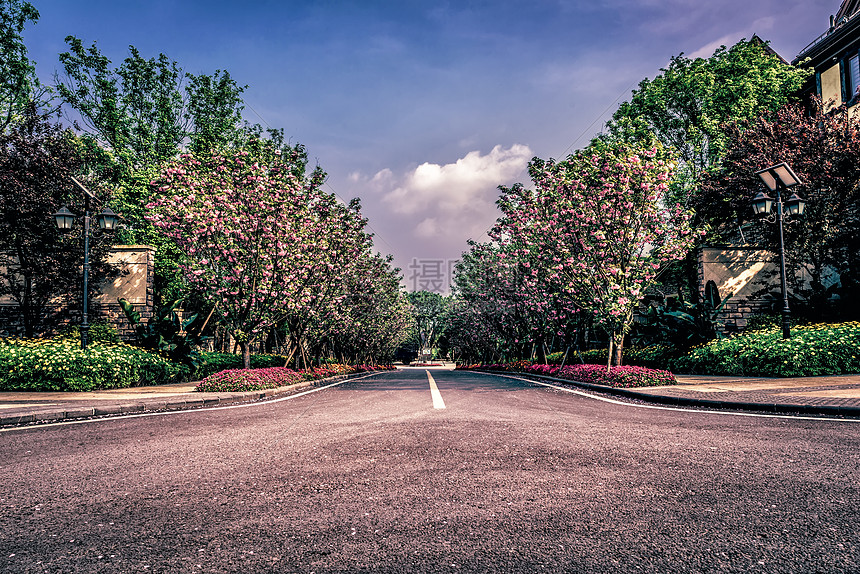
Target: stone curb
(781, 408)
(181, 402)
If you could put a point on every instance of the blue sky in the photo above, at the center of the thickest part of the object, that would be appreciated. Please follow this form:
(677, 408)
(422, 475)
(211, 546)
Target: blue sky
(423, 108)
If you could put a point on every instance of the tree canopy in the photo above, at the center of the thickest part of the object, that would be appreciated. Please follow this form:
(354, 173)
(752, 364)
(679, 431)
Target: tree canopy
(688, 106)
(18, 82)
(37, 162)
(823, 148)
(143, 109)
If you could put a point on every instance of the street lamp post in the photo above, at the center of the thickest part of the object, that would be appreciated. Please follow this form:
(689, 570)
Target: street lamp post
(779, 178)
(107, 220)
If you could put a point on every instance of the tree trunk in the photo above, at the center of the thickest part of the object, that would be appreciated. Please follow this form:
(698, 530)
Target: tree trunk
(564, 358)
(246, 354)
(616, 349)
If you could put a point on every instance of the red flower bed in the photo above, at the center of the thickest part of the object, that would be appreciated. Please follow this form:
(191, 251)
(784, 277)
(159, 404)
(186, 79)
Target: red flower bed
(239, 380)
(620, 377)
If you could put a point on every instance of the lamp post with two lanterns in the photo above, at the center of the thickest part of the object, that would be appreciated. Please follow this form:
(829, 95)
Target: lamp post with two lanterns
(779, 178)
(107, 220)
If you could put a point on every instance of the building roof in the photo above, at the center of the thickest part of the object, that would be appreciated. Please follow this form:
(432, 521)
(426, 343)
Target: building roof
(842, 32)
(848, 9)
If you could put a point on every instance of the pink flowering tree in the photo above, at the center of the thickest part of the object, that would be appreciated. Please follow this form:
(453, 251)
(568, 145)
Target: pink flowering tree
(373, 319)
(598, 230)
(509, 302)
(261, 241)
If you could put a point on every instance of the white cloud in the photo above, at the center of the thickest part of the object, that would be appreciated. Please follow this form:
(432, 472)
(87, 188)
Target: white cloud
(443, 205)
(465, 186)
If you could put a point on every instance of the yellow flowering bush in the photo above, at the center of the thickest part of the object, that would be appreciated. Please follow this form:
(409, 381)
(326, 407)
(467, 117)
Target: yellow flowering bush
(812, 350)
(61, 365)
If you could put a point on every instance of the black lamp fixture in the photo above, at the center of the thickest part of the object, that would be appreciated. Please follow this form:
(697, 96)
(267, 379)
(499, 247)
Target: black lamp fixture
(65, 218)
(107, 220)
(779, 178)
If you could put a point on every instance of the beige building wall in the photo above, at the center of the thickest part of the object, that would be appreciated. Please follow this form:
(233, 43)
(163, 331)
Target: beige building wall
(135, 265)
(743, 271)
(831, 87)
(132, 262)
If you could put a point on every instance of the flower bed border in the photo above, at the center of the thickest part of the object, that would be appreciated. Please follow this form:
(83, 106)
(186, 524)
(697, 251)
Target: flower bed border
(670, 401)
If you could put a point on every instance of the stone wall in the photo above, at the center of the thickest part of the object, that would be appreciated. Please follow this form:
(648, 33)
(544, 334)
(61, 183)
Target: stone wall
(135, 265)
(740, 271)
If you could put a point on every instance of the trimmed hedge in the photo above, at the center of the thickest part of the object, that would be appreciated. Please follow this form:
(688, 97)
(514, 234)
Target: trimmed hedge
(61, 365)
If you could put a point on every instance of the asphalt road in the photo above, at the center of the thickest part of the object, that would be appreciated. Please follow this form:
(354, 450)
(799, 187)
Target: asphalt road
(374, 476)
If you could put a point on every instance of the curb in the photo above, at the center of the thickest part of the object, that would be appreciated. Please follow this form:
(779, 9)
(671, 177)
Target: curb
(781, 408)
(178, 403)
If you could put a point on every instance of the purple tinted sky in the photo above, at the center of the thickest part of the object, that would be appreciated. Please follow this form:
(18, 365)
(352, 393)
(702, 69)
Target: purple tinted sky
(423, 108)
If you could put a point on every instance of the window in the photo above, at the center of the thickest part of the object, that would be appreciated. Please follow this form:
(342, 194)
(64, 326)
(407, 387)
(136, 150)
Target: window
(853, 77)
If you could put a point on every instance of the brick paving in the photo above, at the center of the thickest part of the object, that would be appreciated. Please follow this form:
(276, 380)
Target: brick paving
(806, 394)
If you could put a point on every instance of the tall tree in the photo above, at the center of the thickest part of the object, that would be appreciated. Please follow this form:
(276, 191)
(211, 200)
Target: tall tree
(141, 109)
(264, 246)
(38, 262)
(428, 311)
(18, 82)
(599, 223)
(688, 105)
(823, 148)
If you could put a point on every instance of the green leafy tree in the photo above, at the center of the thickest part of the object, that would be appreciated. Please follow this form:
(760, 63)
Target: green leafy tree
(18, 82)
(214, 110)
(372, 319)
(140, 108)
(144, 111)
(688, 105)
(428, 313)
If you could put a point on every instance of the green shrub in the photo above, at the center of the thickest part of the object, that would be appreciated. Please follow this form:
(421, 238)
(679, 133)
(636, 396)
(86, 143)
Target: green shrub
(812, 350)
(99, 332)
(60, 365)
(765, 321)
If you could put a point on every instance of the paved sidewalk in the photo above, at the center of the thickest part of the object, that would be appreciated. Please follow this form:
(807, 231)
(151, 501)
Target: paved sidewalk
(831, 395)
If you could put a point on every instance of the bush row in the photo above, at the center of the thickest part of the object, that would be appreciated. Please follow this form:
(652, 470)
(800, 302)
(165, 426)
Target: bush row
(812, 350)
(61, 365)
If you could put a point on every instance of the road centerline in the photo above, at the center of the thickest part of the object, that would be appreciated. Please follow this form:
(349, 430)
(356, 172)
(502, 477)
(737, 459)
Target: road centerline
(438, 403)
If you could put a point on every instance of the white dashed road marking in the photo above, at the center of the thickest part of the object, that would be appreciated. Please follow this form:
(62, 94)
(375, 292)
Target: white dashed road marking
(438, 403)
